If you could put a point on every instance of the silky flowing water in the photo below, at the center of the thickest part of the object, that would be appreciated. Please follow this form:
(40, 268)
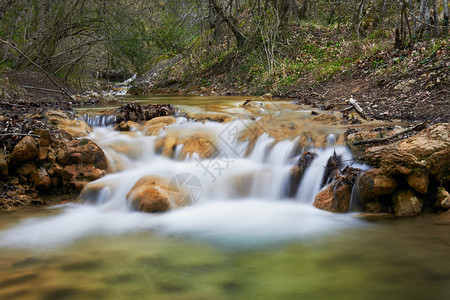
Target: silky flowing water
(242, 237)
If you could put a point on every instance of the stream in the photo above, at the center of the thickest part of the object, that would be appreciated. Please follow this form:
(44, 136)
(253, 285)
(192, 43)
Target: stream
(241, 237)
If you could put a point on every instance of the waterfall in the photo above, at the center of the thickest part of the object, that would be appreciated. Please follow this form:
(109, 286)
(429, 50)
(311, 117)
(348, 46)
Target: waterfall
(242, 197)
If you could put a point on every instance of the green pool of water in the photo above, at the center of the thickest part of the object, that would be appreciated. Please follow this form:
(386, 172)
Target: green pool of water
(393, 259)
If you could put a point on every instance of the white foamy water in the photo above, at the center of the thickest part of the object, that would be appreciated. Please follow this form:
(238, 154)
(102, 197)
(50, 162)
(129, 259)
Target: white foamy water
(241, 199)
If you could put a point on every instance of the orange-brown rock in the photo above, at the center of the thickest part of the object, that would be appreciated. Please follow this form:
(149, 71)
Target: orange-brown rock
(60, 119)
(406, 204)
(41, 179)
(127, 126)
(336, 196)
(443, 198)
(373, 184)
(200, 142)
(155, 194)
(419, 182)
(426, 152)
(155, 125)
(150, 194)
(44, 137)
(25, 149)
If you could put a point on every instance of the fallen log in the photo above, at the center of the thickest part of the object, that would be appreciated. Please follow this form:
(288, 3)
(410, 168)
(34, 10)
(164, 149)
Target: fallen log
(416, 127)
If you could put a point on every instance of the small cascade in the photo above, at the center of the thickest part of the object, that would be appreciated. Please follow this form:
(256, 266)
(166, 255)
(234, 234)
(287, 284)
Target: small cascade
(239, 193)
(313, 178)
(100, 120)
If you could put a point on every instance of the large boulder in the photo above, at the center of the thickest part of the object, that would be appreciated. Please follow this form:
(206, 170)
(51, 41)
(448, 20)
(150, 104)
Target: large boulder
(406, 204)
(82, 151)
(202, 143)
(155, 125)
(154, 194)
(373, 184)
(60, 119)
(427, 152)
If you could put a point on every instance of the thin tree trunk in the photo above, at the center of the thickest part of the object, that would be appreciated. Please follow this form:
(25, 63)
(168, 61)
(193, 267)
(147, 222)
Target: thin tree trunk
(445, 14)
(435, 17)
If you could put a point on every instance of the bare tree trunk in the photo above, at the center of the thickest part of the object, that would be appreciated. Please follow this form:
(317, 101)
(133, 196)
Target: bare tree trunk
(231, 22)
(423, 16)
(445, 14)
(435, 17)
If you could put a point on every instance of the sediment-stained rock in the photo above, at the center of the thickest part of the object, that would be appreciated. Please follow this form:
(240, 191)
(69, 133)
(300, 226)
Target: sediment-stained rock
(406, 204)
(154, 194)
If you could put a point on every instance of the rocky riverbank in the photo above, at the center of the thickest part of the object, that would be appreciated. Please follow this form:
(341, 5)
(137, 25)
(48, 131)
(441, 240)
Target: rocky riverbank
(46, 159)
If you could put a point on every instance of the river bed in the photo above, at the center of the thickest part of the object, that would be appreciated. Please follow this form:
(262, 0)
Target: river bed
(242, 237)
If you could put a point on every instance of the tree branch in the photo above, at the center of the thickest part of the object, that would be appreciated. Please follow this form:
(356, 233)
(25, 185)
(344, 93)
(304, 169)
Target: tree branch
(37, 66)
(416, 127)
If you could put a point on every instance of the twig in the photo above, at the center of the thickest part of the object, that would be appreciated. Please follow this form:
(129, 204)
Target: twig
(37, 66)
(42, 89)
(416, 127)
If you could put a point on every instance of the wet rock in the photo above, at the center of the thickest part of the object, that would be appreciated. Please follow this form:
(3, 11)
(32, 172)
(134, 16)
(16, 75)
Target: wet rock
(211, 116)
(137, 113)
(60, 119)
(127, 126)
(153, 194)
(406, 204)
(373, 184)
(25, 150)
(254, 107)
(199, 142)
(443, 198)
(297, 171)
(155, 125)
(92, 191)
(332, 168)
(419, 182)
(336, 196)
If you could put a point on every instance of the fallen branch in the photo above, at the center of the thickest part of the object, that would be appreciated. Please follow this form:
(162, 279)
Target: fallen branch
(416, 127)
(42, 89)
(358, 108)
(20, 134)
(37, 66)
